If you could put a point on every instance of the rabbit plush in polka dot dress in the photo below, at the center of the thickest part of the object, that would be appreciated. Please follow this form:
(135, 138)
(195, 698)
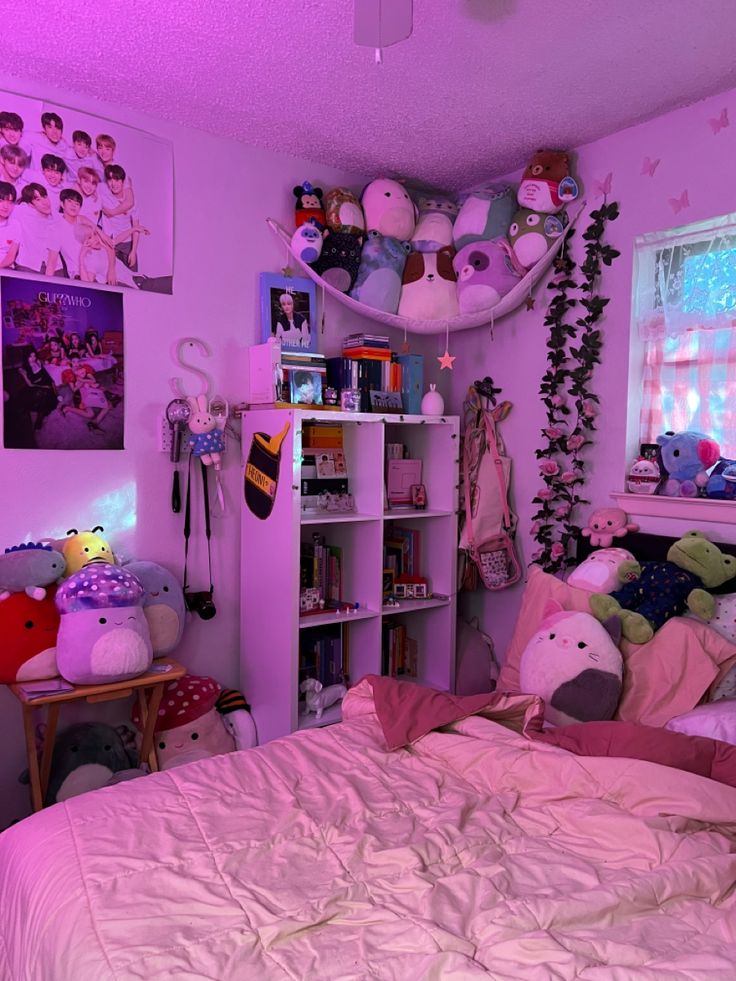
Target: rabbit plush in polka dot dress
(206, 440)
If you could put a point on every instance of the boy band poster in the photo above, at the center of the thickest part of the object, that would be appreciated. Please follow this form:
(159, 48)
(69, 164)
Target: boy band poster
(83, 198)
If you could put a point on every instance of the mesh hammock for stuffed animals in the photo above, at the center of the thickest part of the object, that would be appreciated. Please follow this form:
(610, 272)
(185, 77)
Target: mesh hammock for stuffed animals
(463, 321)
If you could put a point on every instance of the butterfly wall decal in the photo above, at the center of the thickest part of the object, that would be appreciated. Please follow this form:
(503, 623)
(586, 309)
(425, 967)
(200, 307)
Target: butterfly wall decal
(677, 204)
(648, 166)
(720, 122)
(603, 188)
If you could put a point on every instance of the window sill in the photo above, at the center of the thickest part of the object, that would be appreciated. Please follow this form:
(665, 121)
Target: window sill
(694, 509)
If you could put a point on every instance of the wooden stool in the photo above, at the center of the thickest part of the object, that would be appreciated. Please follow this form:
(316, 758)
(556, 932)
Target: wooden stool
(164, 671)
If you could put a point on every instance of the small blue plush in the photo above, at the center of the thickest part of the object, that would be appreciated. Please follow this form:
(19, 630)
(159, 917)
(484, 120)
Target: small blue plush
(382, 261)
(163, 604)
(687, 457)
(721, 484)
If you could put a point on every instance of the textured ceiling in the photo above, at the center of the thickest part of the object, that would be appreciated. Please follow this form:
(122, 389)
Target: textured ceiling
(478, 84)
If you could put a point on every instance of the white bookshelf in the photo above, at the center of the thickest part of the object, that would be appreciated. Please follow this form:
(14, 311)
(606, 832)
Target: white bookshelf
(270, 620)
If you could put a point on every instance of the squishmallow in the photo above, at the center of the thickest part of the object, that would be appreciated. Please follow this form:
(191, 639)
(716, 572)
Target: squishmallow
(485, 272)
(382, 263)
(88, 756)
(573, 663)
(236, 717)
(644, 477)
(599, 572)
(163, 605)
(428, 287)
(306, 242)
(388, 209)
(309, 205)
(86, 548)
(546, 184)
(29, 568)
(434, 225)
(532, 234)
(484, 215)
(28, 629)
(339, 260)
(343, 211)
(103, 631)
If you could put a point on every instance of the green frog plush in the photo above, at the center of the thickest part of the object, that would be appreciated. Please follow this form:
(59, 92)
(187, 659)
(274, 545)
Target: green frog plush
(654, 592)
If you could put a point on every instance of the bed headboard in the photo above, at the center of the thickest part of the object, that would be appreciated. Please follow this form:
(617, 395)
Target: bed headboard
(654, 548)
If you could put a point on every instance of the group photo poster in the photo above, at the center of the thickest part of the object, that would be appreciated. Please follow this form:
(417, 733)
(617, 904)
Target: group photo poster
(84, 198)
(63, 366)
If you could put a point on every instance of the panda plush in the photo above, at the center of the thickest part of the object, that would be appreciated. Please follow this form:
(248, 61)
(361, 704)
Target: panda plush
(340, 259)
(309, 205)
(428, 286)
(382, 265)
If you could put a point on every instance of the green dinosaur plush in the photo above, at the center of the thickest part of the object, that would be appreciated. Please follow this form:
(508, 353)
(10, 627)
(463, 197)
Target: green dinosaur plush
(655, 591)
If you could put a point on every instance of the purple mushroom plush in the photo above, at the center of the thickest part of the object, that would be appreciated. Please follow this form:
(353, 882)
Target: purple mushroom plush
(103, 634)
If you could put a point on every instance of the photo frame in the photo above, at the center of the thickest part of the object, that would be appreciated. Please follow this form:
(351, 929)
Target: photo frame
(388, 402)
(419, 496)
(305, 387)
(289, 311)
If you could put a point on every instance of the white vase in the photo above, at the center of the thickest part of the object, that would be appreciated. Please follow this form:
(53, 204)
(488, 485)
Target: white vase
(433, 404)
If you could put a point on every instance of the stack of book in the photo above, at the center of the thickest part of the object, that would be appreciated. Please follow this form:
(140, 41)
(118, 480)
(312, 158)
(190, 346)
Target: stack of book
(322, 655)
(402, 551)
(367, 364)
(320, 569)
(398, 651)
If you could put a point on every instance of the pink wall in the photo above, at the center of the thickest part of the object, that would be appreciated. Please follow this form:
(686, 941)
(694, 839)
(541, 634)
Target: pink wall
(691, 157)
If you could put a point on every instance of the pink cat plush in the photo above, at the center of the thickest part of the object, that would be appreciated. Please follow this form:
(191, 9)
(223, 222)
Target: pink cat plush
(573, 663)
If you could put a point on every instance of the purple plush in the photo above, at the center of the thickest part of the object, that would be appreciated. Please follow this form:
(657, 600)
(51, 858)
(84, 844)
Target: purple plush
(486, 271)
(103, 634)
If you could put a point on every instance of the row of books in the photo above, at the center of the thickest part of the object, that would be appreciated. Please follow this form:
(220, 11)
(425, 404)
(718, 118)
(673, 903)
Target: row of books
(322, 655)
(365, 374)
(321, 435)
(402, 551)
(320, 568)
(398, 651)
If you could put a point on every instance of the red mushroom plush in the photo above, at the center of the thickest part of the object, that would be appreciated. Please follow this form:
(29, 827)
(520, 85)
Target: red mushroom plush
(188, 726)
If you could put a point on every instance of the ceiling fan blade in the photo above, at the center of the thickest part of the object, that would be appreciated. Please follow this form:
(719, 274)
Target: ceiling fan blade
(380, 23)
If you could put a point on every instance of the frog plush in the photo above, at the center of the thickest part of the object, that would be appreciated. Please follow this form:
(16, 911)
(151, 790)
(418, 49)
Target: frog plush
(656, 591)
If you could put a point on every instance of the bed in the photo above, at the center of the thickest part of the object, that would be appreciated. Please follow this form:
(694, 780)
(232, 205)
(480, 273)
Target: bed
(469, 850)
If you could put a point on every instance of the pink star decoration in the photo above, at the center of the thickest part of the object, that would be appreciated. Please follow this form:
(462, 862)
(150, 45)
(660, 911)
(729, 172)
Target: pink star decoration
(446, 360)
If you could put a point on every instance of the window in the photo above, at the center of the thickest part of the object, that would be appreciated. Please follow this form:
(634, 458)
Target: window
(685, 315)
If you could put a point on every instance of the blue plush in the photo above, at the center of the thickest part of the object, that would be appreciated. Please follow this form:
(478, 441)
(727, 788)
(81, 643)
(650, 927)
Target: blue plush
(163, 604)
(721, 484)
(382, 262)
(484, 215)
(687, 457)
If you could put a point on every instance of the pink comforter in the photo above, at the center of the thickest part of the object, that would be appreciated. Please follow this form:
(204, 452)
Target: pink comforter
(475, 852)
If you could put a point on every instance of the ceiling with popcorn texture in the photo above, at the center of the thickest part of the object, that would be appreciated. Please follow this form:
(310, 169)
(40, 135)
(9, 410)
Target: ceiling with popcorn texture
(478, 85)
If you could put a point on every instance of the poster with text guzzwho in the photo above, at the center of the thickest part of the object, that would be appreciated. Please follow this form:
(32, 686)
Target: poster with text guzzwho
(261, 476)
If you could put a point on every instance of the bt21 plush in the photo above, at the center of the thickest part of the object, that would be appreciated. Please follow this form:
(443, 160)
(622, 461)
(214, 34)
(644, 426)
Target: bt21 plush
(236, 717)
(339, 261)
(721, 484)
(486, 271)
(434, 224)
(188, 726)
(546, 184)
(163, 605)
(574, 664)
(344, 213)
(84, 548)
(655, 591)
(318, 698)
(599, 573)
(644, 477)
(29, 568)
(484, 215)
(428, 286)
(88, 756)
(28, 629)
(306, 242)
(382, 262)
(687, 457)
(103, 632)
(532, 235)
(605, 524)
(388, 209)
(206, 439)
(309, 205)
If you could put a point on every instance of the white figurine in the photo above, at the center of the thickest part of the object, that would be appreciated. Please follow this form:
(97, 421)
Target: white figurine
(319, 698)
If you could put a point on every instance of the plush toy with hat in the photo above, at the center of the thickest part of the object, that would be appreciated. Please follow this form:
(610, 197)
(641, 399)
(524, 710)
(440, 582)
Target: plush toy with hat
(573, 663)
(103, 633)
(437, 215)
(599, 573)
(163, 605)
(306, 242)
(339, 260)
(309, 205)
(428, 286)
(343, 212)
(188, 727)
(532, 234)
(605, 524)
(28, 629)
(388, 209)
(382, 263)
(486, 271)
(656, 591)
(236, 717)
(484, 214)
(30, 568)
(687, 457)
(546, 185)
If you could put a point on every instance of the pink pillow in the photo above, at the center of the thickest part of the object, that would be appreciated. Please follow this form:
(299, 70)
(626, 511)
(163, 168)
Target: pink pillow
(717, 721)
(666, 677)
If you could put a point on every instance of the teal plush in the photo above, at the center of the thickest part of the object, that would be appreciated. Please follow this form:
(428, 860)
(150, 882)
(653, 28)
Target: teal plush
(382, 262)
(484, 214)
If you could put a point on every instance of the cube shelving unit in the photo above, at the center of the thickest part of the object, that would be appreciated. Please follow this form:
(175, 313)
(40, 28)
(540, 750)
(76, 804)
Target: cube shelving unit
(270, 620)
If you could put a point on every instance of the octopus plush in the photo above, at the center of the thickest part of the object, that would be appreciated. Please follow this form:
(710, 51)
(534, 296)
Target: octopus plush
(339, 260)
(388, 209)
(163, 605)
(30, 568)
(532, 235)
(546, 185)
(309, 205)
(486, 271)
(103, 631)
(484, 215)
(382, 262)
(605, 524)
(344, 213)
(574, 664)
(28, 628)
(434, 225)
(687, 457)
(428, 286)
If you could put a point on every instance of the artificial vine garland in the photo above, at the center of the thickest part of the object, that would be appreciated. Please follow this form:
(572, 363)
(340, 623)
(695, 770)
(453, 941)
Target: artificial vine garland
(565, 389)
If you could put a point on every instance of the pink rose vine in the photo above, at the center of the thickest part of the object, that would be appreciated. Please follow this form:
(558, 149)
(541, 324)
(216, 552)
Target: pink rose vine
(565, 390)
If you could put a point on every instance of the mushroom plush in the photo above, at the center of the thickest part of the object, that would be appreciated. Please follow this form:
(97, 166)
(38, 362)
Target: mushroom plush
(163, 604)
(188, 727)
(103, 633)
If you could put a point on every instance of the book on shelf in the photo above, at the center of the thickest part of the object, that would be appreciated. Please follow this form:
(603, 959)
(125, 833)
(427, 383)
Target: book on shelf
(367, 353)
(400, 476)
(366, 340)
(322, 654)
(412, 382)
(402, 551)
(322, 435)
(320, 568)
(398, 650)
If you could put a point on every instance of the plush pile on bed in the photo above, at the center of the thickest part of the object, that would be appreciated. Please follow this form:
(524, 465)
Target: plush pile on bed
(473, 851)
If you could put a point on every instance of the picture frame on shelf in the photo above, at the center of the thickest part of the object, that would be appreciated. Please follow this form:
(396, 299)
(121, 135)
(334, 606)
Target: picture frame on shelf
(387, 402)
(289, 311)
(419, 496)
(350, 400)
(388, 583)
(305, 387)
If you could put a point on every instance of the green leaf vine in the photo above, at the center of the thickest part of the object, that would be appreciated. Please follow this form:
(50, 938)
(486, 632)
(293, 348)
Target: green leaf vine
(573, 350)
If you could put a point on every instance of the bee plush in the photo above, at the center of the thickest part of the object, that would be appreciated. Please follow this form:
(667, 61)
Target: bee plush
(309, 205)
(428, 286)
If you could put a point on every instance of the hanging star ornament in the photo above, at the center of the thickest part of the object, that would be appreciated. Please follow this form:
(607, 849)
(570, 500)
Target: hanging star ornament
(446, 360)
(561, 264)
(529, 301)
